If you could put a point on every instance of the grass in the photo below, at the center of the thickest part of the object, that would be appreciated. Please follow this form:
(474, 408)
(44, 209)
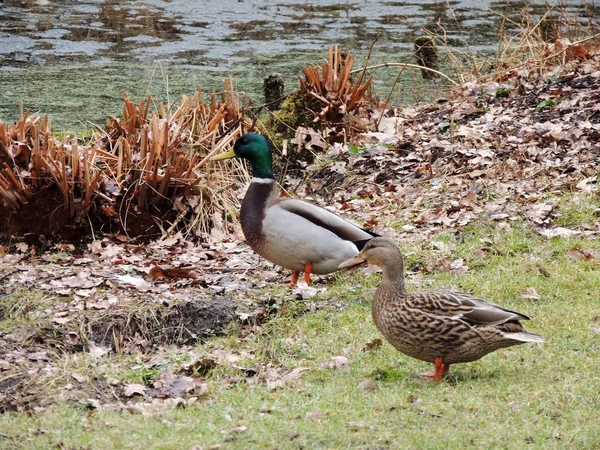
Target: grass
(578, 209)
(21, 308)
(527, 396)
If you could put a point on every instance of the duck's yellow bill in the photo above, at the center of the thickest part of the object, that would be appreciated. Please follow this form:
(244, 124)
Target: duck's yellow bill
(225, 155)
(358, 259)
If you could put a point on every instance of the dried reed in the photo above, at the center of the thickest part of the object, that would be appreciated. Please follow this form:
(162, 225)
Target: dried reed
(329, 91)
(536, 44)
(145, 162)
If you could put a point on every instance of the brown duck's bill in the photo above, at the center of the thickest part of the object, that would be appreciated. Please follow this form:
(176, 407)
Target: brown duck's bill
(225, 155)
(357, 260)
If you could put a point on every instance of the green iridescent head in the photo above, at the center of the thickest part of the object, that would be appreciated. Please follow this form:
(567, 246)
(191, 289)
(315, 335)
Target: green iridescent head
(256, 149)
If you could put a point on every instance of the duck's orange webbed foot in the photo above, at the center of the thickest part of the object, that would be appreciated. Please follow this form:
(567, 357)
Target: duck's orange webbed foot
(440, 370)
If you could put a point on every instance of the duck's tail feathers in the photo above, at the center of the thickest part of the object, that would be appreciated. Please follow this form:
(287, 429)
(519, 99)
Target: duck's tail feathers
(524, 336)
(372, 233)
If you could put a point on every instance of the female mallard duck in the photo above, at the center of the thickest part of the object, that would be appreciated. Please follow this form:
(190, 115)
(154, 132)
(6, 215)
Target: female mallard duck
(289, 232)
(439, 326)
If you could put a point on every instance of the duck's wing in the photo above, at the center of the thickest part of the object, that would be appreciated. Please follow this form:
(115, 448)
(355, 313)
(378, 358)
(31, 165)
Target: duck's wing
(465, 307)
(325, 219)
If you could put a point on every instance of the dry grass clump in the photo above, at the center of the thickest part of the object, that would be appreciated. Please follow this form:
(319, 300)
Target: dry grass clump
(144, 171)
(331, 93)
(334, 101)
(532, 44)
(332, 104)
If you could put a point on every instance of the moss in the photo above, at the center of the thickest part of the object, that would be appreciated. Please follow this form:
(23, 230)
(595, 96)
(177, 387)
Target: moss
(502, 92)
(83, 134)
(423, 40)
(282, 124)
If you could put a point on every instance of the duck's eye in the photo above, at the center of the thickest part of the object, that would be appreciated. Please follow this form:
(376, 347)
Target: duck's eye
(244, 141)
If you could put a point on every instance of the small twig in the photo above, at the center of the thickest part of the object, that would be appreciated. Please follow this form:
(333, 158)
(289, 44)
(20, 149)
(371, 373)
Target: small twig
(411, 66)
(554, 55)
(368, 57)
(5, 276)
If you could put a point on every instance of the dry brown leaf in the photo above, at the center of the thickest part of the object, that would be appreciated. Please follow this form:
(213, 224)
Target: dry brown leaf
(559, 232)
(579, 254)
(543, 271)
(38, 356)
(457, 267)
(170, 385)
(78, 377)
(316, 415)
(529, 293)
(367, 385)
(287, 378)
(302, 291)
(173, 273)
(413, 399)
(131, 389)
(135, 409)
(540, 212)
(577, 51)
(359, 425)
(375, 343)
(113, 381)
(200, 368)
(589, 184)
(93, 403)
(61, 320)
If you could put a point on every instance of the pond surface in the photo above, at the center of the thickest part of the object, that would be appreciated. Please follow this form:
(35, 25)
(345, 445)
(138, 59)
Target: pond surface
(75, 59)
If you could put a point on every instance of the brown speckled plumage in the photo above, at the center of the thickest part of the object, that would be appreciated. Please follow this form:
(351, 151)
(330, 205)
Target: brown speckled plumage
(439, 326)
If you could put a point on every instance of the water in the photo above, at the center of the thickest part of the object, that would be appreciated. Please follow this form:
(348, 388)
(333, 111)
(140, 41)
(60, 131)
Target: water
(75, 59)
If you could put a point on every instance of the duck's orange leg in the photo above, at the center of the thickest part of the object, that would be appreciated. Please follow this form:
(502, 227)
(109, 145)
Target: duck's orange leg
(307, 271)
(294, 280)
(445, 368)
(440, 370)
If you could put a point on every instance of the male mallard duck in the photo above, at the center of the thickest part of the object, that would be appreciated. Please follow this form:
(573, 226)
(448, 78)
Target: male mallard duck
(289, 232)
(439, 326)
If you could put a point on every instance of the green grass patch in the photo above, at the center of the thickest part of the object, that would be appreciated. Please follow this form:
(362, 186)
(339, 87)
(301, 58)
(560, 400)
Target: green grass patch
(23, 307)
(531, 396)
(577, 210)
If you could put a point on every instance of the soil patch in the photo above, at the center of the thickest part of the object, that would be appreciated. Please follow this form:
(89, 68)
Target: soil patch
(32, 354)
(42, 222)
(184, 323)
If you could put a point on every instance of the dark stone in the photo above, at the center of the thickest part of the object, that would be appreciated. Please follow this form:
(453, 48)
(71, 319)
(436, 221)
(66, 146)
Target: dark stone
(427, 55)
(273, 87)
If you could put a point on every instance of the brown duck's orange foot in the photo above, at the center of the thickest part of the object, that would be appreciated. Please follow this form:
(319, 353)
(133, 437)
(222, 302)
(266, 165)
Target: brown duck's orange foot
(440, 370)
